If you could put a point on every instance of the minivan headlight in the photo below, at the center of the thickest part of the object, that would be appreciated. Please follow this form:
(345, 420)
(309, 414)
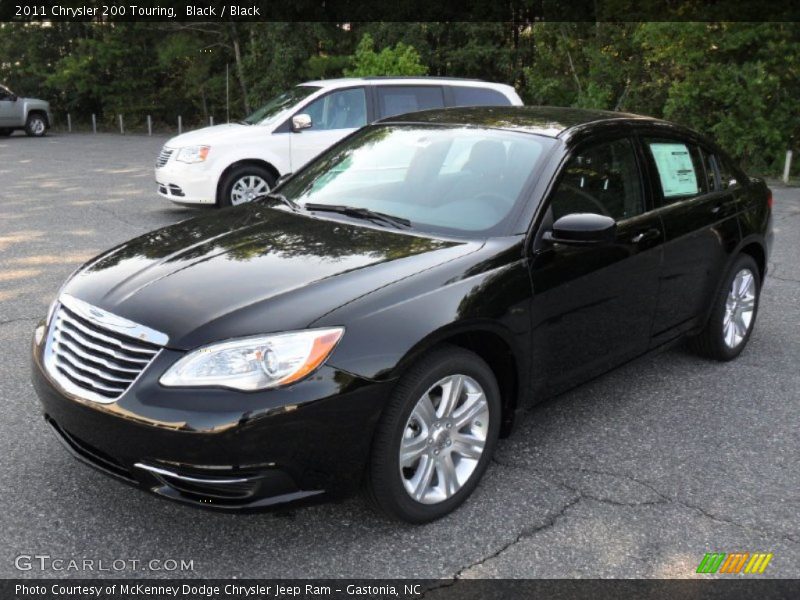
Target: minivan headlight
(255, 363)
(193, 154)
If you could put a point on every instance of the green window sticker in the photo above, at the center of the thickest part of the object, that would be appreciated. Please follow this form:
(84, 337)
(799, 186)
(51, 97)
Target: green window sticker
(675, 168)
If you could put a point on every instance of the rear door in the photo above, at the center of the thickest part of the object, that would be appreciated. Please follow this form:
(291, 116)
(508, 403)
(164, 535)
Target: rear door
(700, 230)
(333, 116)
(593, 305)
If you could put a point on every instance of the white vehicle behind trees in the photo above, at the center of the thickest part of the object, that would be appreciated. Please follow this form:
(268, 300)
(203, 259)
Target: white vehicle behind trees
(234, 163)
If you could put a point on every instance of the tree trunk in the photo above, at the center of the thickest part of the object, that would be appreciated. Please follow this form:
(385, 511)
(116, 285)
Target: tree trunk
(237, 54)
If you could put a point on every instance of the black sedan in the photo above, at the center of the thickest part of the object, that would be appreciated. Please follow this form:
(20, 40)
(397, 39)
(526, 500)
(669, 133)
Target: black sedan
(380, 318)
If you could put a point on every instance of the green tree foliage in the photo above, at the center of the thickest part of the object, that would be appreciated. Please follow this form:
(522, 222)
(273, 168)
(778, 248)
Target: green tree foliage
(399, 60)
(738, 82)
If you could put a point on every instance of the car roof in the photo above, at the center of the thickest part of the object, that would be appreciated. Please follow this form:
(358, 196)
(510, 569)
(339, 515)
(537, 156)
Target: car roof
(380, 80)
(551, 121)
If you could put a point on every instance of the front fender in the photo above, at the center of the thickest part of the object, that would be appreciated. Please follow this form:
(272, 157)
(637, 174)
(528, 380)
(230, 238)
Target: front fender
(488, 290)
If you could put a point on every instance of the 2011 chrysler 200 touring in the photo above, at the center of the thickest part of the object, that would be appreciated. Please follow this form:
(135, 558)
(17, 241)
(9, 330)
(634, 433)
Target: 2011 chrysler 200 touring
(382, 317)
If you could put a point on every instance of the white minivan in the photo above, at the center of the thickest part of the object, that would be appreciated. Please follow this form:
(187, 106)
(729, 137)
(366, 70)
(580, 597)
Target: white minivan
(234, 163)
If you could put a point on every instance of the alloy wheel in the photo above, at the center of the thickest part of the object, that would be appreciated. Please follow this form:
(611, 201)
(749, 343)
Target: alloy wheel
(444, 439)
(739, 308)
(247, 189)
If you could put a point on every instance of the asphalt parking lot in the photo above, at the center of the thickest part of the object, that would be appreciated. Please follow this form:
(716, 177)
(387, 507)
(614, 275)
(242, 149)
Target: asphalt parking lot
(636, 474)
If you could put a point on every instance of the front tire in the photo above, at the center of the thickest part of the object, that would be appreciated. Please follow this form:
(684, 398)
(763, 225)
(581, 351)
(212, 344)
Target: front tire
(436, 437)
(36, 126)
(6, 132)
(244, 184)
(733, 315)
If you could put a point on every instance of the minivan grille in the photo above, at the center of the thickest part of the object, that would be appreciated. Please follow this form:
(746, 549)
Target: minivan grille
(95, 359)
(163, 156)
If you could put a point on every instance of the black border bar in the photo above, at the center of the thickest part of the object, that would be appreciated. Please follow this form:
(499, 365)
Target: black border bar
(407, 10)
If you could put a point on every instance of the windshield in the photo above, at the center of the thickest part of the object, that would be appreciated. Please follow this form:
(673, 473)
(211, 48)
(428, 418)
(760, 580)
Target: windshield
(280, 103)
(443, 179)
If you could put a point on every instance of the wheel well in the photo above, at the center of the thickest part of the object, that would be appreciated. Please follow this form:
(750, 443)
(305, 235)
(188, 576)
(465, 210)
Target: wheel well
(37, 111)
(248, 161)
(757, 252)
(496, 352)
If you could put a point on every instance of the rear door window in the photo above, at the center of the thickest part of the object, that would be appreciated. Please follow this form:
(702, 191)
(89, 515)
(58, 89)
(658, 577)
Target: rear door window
(398, 99)
(680, 169)
(476, 96)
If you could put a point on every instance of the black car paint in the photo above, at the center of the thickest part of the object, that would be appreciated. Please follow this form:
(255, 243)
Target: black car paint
(545, 316)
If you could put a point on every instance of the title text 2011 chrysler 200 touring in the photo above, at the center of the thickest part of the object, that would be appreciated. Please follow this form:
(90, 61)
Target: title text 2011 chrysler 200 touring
(382, 317)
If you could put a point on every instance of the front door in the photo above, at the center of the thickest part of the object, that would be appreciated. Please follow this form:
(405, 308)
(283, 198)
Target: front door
(593, 305)
(333, 116)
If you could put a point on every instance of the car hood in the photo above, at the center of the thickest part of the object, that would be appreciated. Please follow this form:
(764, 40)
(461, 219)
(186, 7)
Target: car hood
(249, 270)
(211, 135)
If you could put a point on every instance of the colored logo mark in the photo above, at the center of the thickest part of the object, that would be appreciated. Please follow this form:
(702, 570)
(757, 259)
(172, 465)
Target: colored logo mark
(736, 562)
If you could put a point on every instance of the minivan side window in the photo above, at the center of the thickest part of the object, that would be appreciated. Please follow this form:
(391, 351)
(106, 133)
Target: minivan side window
(680, 169)
(603, 179)
(343, 109)
(399, 99)
(475, 96)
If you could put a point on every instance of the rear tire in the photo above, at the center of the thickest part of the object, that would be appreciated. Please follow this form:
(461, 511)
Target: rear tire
(733, 314)
(244, 184)
(435, 438)
(6, 132)
(36, 125)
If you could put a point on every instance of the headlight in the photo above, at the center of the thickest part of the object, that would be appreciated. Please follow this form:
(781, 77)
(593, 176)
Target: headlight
(193, 154)
(255, 363)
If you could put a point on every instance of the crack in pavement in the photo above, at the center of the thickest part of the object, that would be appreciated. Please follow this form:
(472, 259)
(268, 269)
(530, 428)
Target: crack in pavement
(663, 498)
(580, 495)
(525, 533)
(18, 320)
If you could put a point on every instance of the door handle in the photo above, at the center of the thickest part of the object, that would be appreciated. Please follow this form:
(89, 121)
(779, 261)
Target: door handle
(716, 208)
(647, 234)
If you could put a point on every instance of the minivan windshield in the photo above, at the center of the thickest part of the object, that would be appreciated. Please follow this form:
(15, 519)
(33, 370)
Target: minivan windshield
(280, 103)
(452, 180)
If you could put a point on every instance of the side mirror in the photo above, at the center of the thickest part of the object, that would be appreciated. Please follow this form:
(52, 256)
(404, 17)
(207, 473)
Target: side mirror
(280, 181)
(13, 97)
(581, 229)
(301, 121)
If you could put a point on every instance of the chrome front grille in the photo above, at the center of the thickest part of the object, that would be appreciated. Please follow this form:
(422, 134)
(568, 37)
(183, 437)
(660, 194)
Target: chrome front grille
(95, 354)
(163, 157)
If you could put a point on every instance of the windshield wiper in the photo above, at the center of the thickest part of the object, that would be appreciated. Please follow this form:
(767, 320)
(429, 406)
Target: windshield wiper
(360, 213)
(290, 203)
(243, 123)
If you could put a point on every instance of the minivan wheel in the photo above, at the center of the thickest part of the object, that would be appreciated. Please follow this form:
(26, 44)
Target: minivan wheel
(35, 126)
(245, 184)
(6, 132)
(436, 436)
(733, 314)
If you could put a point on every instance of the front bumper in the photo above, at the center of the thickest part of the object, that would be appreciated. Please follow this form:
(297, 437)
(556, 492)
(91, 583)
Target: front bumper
(184, 183)
(222, 449)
